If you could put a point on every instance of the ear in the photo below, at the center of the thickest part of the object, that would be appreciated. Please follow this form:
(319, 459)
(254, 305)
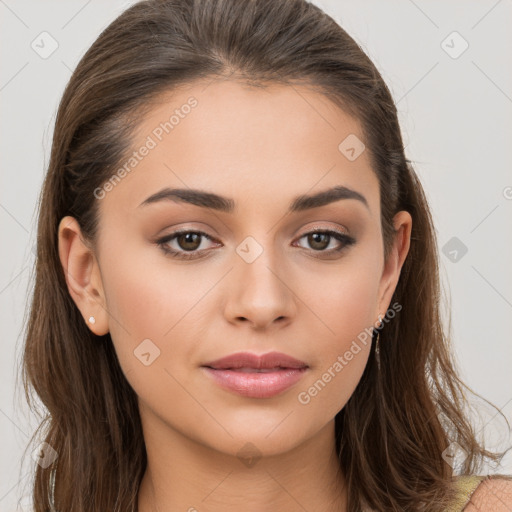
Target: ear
(82, 275)
(392, 267)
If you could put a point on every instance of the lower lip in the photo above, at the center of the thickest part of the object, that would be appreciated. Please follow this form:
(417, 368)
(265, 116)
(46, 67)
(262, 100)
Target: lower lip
(257, 385)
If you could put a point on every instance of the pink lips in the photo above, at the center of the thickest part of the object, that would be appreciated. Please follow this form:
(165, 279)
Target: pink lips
(256, 376)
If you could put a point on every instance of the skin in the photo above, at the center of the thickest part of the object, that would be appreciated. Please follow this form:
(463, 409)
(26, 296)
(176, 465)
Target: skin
(494, 494)
(262, 148)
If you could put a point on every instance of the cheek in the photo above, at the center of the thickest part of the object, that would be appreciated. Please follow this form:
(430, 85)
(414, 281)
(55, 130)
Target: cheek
(346, 301)
(341, 356)
(343, 341)
(148, 298)
(146, 291)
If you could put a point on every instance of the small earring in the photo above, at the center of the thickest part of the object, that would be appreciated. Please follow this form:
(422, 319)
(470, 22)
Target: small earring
(377, 351)
(92, 320)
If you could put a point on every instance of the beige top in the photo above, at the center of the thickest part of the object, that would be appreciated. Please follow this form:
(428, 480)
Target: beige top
(466, 487)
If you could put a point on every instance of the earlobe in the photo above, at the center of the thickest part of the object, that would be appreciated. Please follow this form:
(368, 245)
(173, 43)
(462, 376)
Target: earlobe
(82, 275)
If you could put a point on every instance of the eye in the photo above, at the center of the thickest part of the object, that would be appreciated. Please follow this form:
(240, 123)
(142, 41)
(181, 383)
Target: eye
(320, 239)
(188, 243)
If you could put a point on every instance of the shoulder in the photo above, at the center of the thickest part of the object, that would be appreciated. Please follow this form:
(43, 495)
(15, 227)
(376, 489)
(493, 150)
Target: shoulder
(493, 494)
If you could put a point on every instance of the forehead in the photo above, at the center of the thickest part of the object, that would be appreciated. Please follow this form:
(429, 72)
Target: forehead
(241, 141)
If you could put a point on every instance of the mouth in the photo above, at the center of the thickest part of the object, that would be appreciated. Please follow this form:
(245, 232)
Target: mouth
(272, 361)
(256, 376)
(256, 382)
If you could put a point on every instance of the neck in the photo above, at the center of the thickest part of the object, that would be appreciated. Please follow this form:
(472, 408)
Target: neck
(184, 475)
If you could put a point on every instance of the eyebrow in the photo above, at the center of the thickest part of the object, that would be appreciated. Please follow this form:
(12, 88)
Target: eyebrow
(227, 205)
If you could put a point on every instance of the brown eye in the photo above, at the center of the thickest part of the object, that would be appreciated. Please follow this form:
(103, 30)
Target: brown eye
(189, 241)
(184, 244)
(319, 241)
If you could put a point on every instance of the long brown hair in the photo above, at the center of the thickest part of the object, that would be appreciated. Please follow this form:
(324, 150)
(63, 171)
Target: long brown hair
(390, 436)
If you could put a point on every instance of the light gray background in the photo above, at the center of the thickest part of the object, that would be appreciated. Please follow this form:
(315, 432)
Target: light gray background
(456, 116)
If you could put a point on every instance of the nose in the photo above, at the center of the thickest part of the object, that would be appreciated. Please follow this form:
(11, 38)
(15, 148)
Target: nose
(260, 294)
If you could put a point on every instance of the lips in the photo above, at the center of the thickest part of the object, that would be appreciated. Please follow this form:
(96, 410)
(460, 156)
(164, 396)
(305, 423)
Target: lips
(246, 361)
(254, 376)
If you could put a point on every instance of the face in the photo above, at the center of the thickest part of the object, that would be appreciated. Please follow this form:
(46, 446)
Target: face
(261, 270)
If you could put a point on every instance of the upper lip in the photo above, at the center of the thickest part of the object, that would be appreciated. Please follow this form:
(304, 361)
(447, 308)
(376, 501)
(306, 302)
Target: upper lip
(249, 360)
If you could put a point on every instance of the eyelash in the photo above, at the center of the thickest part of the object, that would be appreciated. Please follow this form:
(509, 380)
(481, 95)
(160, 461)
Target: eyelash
(181, 255)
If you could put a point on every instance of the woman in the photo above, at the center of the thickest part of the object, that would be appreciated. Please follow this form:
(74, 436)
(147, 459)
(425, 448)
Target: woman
(236, 303)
